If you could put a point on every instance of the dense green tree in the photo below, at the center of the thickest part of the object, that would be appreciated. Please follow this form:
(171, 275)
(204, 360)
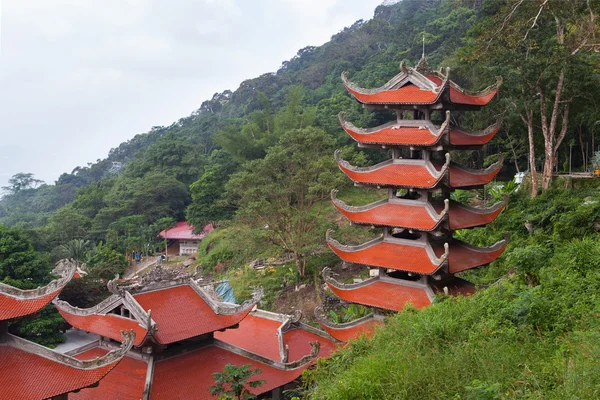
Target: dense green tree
(105, 263)
(234, 381)
(281, 193)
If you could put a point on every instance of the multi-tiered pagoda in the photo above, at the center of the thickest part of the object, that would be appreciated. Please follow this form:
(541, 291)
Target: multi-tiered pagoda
(185, 333)
(29, 371)
(416, 254)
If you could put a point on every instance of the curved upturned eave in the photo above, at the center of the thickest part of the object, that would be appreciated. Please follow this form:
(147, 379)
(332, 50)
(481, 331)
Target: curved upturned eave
(459, 95)
(461, 216)
(405, 95)
(460, 177)
(410, 214)
(348, 331)
(108, 325)
(459, 137)
(398, 254)
(399, 133)
(392, 295)
(402, 173)
(464, 256)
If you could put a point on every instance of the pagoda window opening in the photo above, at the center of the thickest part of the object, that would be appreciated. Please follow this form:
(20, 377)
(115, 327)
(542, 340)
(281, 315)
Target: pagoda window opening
(437, 116)
(408, 276)
(401, 233)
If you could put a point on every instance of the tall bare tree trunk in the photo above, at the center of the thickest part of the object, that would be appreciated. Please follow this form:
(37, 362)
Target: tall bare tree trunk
(528, 120)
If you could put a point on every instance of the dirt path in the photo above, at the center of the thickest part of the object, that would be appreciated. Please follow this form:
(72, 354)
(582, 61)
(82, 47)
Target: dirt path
(146, 263)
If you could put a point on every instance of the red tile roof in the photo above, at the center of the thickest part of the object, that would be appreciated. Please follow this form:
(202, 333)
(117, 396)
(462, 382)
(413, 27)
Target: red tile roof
(461, 138)
(184, 231)
(458, 97)
(28, 376)
(385, 295)
(402, 257)
(398, 174)
(11, 307)
(463, 256)
(462, 178)
(461, 217)
(348, 333)
(413, 216)
(109, 325)
(258, 335)
(180, 313)
(408, 94)
(125, 382)
(190, 375)
(392, 135)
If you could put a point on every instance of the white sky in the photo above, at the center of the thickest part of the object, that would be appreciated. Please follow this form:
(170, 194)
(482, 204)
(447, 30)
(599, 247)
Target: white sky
(78, 77)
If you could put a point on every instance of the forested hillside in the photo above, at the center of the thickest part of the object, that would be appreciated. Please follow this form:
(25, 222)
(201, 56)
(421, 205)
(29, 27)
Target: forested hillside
(258, 161)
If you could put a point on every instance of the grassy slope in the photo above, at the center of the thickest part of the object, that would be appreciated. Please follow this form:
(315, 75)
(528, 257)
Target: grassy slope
(533, 334)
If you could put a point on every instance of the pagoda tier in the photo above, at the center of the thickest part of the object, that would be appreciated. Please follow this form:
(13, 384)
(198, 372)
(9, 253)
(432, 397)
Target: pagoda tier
(393, 294)
(422, 88)
(30, 371)
(420, 215)
(419, 174)
(15, 303)
(417, 255)
(418, 134)
(350, 330)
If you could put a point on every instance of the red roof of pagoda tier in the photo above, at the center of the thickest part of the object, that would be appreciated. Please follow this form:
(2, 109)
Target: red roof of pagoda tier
(125, 382)
(461, 137)
(420, 86)
(30, 371)
(399, 254)
(109, 325)
(348, 331)
(398, 133)
(462, 216)
(463, 256)
(174, 377)
(463, 178)
(387, 294)
(412, 214)
(258, 335)
(15, 303)
(404, 173)
(180, 313)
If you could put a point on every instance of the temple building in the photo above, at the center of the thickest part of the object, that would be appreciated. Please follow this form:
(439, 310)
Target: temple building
(417, 254)
(181, 238)
(185, 333)
(29, 371)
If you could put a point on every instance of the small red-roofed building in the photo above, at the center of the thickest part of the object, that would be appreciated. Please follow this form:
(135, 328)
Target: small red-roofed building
(416, 254)
(181, 238)
(186, 333)
(29, 371)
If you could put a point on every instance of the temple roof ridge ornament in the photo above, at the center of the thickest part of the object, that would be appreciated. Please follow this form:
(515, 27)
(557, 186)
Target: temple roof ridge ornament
(352, 329)
(109, 358)
(66, 268)
(102, 308)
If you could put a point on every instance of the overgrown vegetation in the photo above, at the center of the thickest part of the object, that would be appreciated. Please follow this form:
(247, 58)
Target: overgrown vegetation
(532, 334)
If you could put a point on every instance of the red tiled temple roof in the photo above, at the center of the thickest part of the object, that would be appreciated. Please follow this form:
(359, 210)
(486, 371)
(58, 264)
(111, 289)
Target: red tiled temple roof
(461, 96)
(125, 382)
(463, 256)
(396, 173)
(184, 231)
(28, 376)
(460, 177)
(385, 295)
(459, 137)
(399, 133)
(109, 325)
(190, 375)
(258, 335)
(180, 313)
(410, 214)
(352, 332)
(12, 307)
(403, 255)
(463, 217)
(408, 94)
